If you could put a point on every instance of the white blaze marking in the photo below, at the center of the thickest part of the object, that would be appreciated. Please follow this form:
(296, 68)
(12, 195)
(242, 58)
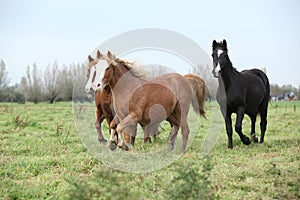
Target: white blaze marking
(217, 69)
(100, 71)
(219, 52)
(89, 82)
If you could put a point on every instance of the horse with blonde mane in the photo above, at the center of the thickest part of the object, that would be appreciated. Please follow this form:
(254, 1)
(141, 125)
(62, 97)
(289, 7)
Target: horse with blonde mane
(136, 100)
(103, 99)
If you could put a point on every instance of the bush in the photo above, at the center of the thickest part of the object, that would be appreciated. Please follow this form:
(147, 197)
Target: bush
(192, 182)
(105, 184)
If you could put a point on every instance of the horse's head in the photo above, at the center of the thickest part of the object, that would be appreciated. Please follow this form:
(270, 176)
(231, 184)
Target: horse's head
(116, 68)
(219, 54)
(96, 65)
(106, 71)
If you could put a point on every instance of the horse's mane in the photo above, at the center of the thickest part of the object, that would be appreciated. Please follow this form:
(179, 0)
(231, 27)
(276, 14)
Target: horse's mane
(134, 69)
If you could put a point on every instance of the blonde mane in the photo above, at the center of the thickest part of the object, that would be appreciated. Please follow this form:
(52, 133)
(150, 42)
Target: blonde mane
(135, 69)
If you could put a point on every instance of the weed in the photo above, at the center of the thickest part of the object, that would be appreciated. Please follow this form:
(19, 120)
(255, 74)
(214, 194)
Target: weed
(105, 184)
(20, 121)
(191, 182)
(275, 172)
(62, 133)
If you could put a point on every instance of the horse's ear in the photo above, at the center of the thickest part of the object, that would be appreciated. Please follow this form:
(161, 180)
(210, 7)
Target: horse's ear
(214, 44)
(110, 55)
(90, 58)
(225, 44)
(99, 55)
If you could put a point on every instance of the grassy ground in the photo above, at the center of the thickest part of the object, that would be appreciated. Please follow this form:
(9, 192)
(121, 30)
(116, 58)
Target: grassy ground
(43, 157)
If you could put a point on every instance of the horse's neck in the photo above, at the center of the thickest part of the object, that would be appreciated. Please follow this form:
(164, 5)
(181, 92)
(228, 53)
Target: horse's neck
(123, 87)
(229, 75)
(125, 82)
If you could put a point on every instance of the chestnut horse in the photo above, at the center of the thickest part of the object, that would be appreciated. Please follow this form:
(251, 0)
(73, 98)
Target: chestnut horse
(104, 106)
(136, 100)
(103, 99)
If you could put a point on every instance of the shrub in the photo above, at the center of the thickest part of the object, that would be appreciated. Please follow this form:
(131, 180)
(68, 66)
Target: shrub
(192, 182)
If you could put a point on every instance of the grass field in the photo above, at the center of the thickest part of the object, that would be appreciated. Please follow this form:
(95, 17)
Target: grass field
(43, 157)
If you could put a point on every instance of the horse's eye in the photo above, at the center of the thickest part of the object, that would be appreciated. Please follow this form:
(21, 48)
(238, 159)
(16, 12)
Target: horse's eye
(107, 69)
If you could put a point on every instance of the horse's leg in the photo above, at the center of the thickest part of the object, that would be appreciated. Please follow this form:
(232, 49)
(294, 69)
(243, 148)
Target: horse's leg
(150, 130)
(172, 136)
(228, 124)
(154, 131)
(129, 135)
(238, 125)
(185, 132)
(263, 120)
(253, 120)
(174, 121)
(128, 121)
(112, 126)
(147, 138)
(99, 119)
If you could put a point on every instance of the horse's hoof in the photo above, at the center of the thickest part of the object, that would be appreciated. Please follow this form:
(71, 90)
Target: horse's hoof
(255, 139)
(102, 141)
(147, 140)
(170, 147)
(246, 140)
(230, 147)
(261, 141)
(112, 146)
(125, 148)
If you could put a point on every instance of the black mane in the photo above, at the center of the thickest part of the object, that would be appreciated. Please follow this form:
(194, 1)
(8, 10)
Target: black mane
(220, 45)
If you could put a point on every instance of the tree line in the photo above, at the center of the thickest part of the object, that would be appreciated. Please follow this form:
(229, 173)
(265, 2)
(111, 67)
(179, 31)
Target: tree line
(52, 84)
(62, 83)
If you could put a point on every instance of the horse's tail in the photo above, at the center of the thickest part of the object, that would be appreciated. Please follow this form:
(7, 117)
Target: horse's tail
(198, 99)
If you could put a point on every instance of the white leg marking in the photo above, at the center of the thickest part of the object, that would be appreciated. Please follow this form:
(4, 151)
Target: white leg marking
(120, 140)
(112, 134)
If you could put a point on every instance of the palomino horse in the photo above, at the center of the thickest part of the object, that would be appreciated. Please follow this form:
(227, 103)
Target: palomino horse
(103, 99)
(246, 92)
(136, 100)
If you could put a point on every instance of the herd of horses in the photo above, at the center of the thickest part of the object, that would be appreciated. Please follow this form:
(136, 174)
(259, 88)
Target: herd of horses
(126, 95)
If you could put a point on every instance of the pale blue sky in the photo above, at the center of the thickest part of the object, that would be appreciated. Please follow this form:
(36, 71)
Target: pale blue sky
(259, 33)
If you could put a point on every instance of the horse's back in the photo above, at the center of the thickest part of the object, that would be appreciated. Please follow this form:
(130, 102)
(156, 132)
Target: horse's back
(258, 88)
(256, 77)
(179, 86)
(176, 82)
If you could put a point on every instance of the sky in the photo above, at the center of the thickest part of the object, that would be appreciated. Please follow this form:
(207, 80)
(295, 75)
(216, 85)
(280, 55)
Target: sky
(259, 33)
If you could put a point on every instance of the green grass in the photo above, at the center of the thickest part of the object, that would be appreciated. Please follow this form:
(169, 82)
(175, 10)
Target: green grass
(43, 157)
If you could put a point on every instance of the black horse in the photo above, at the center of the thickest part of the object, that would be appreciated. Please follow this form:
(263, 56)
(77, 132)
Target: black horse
(246, 92)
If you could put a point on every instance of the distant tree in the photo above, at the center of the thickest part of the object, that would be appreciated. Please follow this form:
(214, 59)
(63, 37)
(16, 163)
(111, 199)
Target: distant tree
(288, 88)
(3, 75)
(275, 90)
(31, 85)
(3, 81)
(79, 81)
(284, 90)
(12, 94)
(52, 76)
(66, 84)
